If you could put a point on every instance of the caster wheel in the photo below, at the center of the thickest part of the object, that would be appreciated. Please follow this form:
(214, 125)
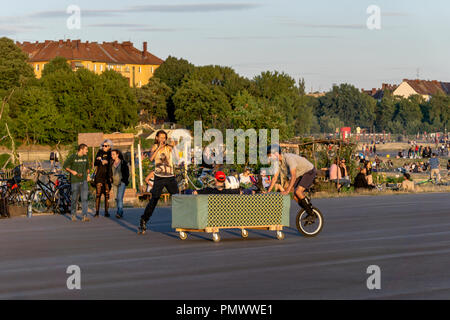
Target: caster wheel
(216, 237)
(183, 235)
(244, 233)
(280, 235)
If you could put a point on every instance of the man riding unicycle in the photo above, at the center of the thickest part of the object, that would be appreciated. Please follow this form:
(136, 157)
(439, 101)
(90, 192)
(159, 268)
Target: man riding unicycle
(300, 173)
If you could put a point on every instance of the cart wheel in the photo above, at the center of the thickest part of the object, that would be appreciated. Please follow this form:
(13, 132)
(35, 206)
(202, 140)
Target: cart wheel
(280, 235)
(183, 235)
(244, 233)
(216, 237)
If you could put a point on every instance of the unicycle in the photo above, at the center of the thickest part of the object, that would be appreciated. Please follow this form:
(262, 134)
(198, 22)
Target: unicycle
(309, 226)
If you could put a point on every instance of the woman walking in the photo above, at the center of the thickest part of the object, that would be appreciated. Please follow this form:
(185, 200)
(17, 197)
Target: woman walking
(161, 153)
(103, 176)
(120, 178)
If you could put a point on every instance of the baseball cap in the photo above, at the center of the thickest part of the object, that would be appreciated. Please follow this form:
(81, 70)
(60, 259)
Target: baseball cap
(220, 176)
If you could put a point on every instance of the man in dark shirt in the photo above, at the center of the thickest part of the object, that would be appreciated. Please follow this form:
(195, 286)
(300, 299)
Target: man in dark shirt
(78, 167)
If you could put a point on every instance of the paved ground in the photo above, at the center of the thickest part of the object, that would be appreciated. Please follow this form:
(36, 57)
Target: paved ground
(407, 236)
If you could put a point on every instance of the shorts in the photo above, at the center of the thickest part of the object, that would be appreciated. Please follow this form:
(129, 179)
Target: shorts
(306, 180)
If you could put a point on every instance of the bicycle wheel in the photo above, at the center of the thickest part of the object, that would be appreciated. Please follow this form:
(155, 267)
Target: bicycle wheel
(62, 200)
(17, 198)
(39, 202)
(309, 226)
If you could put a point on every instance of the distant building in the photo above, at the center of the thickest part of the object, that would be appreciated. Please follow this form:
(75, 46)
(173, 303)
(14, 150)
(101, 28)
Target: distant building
(378, 94)
(316, 94)
(136, 65)
(425, 88)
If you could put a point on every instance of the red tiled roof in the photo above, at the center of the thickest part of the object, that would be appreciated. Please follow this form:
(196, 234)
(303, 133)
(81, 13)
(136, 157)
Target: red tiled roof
(427, 87)
(107, 52)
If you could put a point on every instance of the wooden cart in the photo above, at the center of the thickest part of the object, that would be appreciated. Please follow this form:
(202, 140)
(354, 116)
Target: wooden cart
(210, 213)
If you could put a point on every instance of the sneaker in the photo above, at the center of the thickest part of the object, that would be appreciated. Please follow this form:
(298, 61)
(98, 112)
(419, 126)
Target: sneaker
(142, 226)
(96, 215)
(118, 216)
(85, 219)
(107, 215)
(74, 218)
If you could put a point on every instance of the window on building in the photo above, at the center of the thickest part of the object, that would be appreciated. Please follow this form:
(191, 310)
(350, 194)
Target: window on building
(140, 69)
(152, 69)
(95, 67)
(140, 83)
(101, 67)
(37, 67)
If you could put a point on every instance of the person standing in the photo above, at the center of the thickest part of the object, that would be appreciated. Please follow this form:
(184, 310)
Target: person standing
(298, 171)
(78, 167)
(103, 176)
(161, 153)
(120, 179)
(434, 167)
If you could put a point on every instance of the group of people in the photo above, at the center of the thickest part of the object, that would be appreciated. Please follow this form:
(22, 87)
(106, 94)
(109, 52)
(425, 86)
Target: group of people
(369, 149)
(111, 173)
(415, 152)
(295, 172)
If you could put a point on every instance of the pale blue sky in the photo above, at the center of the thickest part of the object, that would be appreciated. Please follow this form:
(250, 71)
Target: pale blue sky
(323, 41)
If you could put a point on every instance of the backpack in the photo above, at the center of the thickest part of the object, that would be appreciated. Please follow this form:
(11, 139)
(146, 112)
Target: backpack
(231, 183)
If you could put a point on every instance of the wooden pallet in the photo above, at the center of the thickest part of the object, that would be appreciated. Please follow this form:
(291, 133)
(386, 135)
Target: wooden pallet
(215, 231)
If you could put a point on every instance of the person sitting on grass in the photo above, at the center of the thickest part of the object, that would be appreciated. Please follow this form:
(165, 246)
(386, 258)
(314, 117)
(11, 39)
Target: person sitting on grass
(360, 183)
(407, 184)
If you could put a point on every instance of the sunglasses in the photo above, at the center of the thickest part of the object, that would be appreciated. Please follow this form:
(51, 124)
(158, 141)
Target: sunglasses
(105, 146)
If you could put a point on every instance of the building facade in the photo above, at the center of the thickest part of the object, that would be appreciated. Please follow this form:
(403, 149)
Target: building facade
(424, 88)
(138, 66)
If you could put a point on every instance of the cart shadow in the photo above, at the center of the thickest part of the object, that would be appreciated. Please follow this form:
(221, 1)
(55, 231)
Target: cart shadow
(292, 231)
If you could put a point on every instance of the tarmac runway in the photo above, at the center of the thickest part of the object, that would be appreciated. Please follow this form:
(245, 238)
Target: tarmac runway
(406, 236)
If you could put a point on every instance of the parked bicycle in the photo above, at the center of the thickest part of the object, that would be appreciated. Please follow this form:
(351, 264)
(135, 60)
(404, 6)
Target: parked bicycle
(11, 189)
(49, 196)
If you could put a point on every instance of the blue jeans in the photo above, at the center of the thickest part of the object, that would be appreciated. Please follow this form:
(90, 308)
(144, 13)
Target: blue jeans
(77, 189)
(119, 198)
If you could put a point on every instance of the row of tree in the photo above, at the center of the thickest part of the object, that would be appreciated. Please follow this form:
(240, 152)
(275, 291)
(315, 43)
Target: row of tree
(65, 102)
(275, 99)
(62, 103)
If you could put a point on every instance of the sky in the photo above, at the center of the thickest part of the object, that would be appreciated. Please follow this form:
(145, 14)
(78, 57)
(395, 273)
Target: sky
(325, 42)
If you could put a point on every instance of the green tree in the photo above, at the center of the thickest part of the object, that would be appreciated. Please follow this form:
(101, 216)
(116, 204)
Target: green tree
(14, 69)
(224, 78)
(173, 71)
(409, 115)
(56, 64)
(152, 100)
(352, 107)
(196, 101)
(439, 112)
(34, 116)
(255, 113)
(385, 112)
(304, 117)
